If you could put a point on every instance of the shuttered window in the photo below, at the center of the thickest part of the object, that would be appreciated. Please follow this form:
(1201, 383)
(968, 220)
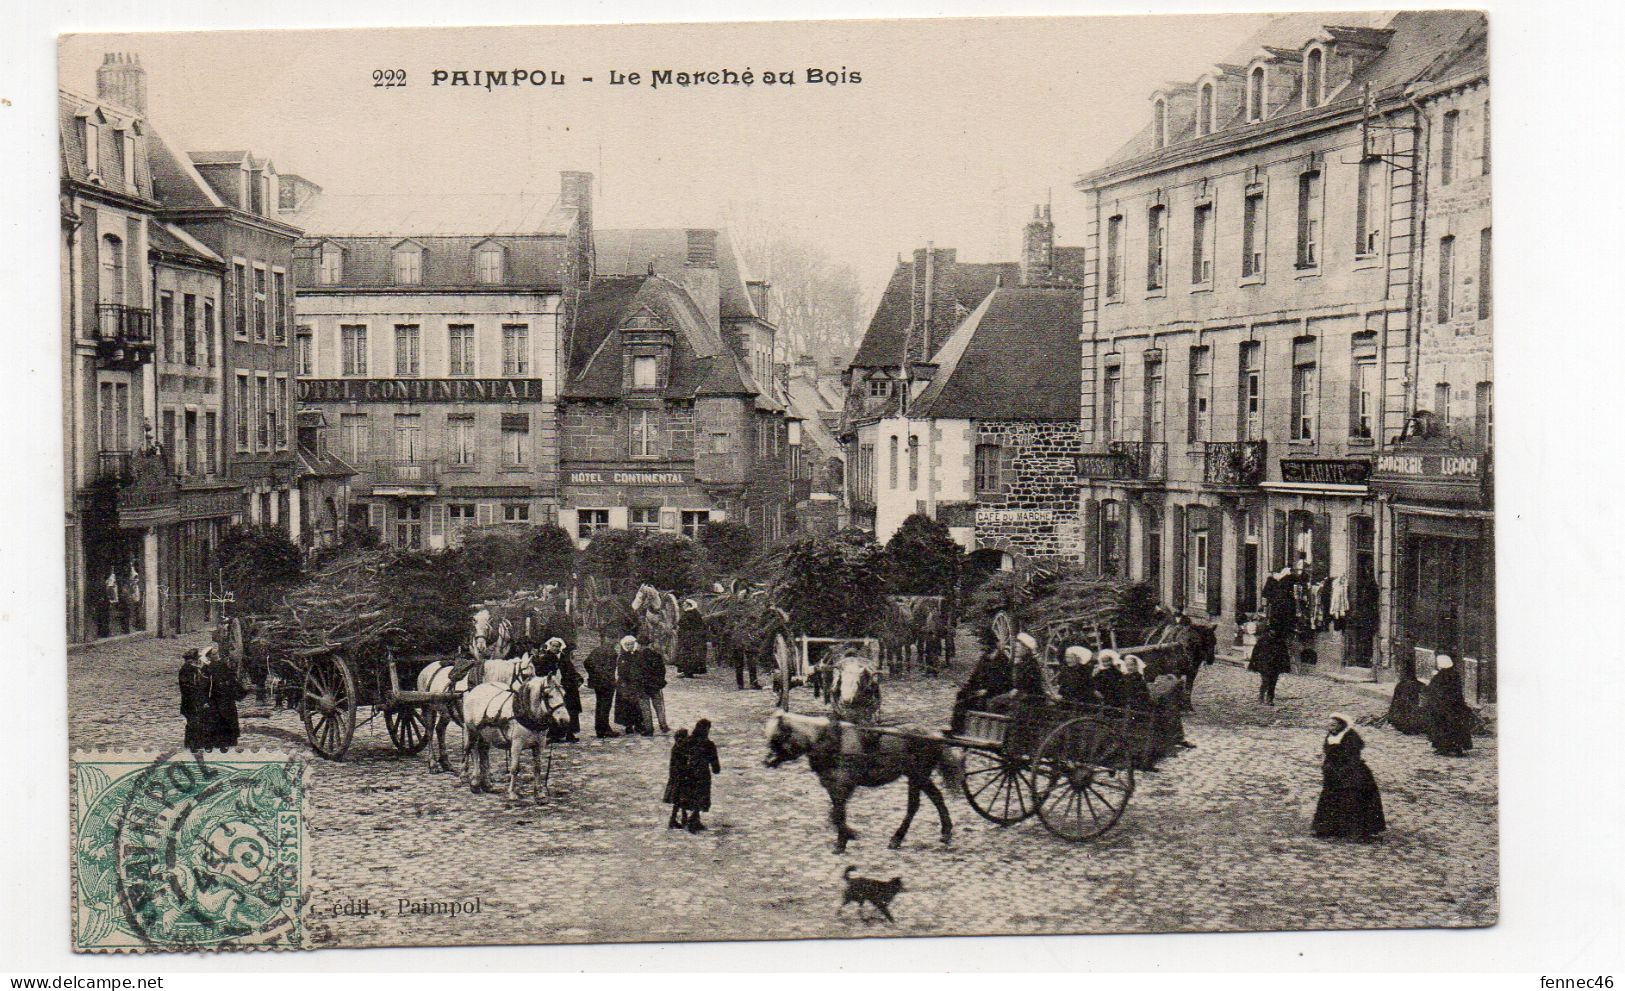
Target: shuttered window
(486, 514)
(437, 520)
(1215, 563)
(1176, 521)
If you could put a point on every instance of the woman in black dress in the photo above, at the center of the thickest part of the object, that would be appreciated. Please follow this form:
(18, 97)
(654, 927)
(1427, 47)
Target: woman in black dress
(694, 783)
(691, 639)
(1350, 805)
(1450, 721)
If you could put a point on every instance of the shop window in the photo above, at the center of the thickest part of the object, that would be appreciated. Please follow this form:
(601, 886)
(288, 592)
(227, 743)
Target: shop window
(516, 512)
(590, 521)
(694, 521)
(643, 519)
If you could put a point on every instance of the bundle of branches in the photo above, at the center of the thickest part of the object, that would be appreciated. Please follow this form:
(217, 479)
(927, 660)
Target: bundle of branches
(833, 587)
(1058, 600)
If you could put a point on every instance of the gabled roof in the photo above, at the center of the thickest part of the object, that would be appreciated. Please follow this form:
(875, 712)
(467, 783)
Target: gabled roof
(176, 180)
(398, 215)
(71, 150)
(1017, 357)
(630, 251)
(883, 340)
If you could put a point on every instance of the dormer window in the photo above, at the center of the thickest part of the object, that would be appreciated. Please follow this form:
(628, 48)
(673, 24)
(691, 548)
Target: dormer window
(1314, 78)
(488, 265)
(332, 268)
(1159, 135)
(127, 146)
(93, 148)
(244, 199)
(1255, 95)
(645, 371)
(1204, 110)
(408, 264)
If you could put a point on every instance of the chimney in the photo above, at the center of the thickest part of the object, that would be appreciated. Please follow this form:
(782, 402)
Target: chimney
(700, 275)
(121, 80)
(934, 306)
(1038, 248)
(294, 192)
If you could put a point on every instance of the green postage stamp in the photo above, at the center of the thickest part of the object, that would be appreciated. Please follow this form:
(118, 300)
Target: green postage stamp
(188, 851)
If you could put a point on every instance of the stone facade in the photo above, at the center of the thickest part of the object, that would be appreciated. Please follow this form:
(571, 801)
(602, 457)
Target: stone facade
(1034, 513)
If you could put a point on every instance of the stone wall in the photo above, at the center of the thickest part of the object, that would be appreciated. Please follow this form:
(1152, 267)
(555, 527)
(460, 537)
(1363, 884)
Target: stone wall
(1035, 511)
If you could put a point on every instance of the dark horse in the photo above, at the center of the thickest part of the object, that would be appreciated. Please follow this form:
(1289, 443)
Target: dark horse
(847, 757)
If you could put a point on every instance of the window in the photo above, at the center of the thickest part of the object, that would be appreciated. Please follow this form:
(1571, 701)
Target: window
(891, 470)
(461, 336)
(1309, 207)
(1204, 111)
(459, 515)
(279, 300)
(1159, 126)
(407, 362)
(279, 413)
(460, 441)
(643, 519)
(1363, 389)
(189, 328)
(242, 411)
(114, 411)
(332, 262)
(1112, 404)
(590, 521)
(865, 475)
(408, 265)
(409, 525)
(354, 339)
(645, 372)
(260, 303)
(1314, 73)
(1255, 95)
(1370, 208)
(1484, 142)
(1155, 411)
(645, 427)
(1447, 147)
(354, 439)
(262, 412)
(1252, 234)
(1198, 413)
(408, 437)
(1447, 278)
(111, 287)
(1114, 255)
(1441, 403)
(1251, 391)
(1484, 414)
(987, 469)
(190, 444)
(168, 438)
(208, 332)
(516, 512)
(515, 440)
(721, 443)
(1111, 537)
(879, 388)
(1304, 394)
(515, 349)
(913, 463)
(694, 521)
(93, 147)
(1156, 246)
(240, 300)
(1198, 559)
(304, 353)
(166, 323)
(1201, 256)
(211, 442)
(488, 265)
(1485, 271)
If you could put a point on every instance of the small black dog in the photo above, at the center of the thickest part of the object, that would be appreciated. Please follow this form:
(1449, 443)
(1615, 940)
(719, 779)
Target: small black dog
(867, 889)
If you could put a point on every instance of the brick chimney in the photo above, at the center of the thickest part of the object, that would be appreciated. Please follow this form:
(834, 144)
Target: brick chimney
(934, 308)
(1038, 248)
(575, 192)
(700, 275)
(121, 80)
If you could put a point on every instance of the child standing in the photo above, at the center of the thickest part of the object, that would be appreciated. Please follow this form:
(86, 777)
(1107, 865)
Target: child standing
(695, 783)
(674, 780)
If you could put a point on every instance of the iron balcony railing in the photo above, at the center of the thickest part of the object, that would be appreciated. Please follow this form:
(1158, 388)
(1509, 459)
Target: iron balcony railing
(395, 471)
(121, 325)
(1238, 463)
(115, 466)
(1143, 460)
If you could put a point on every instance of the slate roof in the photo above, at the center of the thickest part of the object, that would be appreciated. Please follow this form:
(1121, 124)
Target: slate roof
(533, 264)
(808, 402)
(883, 341)
(630, 251)
(1016, 357)
(71, 150)
(1417, 42)
(399, 215)
(175, 178)
(171, 240)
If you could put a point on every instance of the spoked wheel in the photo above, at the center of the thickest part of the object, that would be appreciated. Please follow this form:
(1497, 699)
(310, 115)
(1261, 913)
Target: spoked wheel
(1077, 799)
(328, 706)
(408, 727)
(999, 788)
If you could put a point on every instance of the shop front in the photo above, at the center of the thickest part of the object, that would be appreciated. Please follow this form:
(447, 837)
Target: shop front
(669, 499)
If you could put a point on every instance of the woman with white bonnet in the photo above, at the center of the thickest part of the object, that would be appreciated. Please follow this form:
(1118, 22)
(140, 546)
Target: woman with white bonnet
(1350, 805)
(1027, 676)
(1450, 721)
(1136, 694)
(1108, 678)
(1074, 680)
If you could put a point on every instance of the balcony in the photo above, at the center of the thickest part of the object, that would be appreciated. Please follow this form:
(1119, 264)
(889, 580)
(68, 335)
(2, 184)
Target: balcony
(1234, 464)
(1132, 461)
(397, 477)
(116, 467)
(142, 487)
(123, 336)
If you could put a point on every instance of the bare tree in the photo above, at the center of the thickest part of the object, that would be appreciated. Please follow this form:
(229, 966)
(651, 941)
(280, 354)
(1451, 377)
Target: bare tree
(819, 303)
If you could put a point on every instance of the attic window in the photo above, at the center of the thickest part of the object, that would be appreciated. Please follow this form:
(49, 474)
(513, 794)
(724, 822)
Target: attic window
(879, 388)
(645, 372)
(1314, 74)
(488, 265)
(93, 154)
(332, 272)
(1159, 134)
(408, 259)
(1255, 95)
(1204, 111)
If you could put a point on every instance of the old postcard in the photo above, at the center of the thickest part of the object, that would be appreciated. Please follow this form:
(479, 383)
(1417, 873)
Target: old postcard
(779, 480)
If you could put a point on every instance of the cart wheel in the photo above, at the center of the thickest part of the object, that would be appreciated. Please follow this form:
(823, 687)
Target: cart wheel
(408, 728)
(999, 788)
(1078, 800)
(328, 706)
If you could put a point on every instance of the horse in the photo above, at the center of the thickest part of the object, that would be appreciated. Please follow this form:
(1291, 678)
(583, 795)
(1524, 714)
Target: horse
(656, 616)
(444, 676)
(847, 757)
(493, 633)
(854, 690)
(519, 718)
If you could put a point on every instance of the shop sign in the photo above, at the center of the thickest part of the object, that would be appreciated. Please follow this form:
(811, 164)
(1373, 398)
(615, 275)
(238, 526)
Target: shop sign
(990, 517)
(613, 477)
(421, 390)
(1325, 471)
(1453, 466)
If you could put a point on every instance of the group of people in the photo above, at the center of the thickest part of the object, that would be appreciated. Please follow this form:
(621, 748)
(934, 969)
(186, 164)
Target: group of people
(210, 690)
(1437, 708)
(688, 781)
(628, 681)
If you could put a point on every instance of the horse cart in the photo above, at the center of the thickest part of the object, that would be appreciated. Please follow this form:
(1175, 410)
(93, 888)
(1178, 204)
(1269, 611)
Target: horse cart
(335, 686)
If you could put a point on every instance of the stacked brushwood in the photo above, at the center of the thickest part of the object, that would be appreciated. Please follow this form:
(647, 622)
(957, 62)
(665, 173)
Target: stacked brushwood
(1058, 602)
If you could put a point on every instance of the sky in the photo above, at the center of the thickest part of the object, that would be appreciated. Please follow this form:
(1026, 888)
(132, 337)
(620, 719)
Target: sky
(957, 129)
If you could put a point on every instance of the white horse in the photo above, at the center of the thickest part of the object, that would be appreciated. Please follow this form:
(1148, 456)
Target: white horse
(518, 718)
(854, 690)
(437, 677)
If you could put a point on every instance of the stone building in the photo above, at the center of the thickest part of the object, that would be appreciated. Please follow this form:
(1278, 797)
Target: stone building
(1248, 326)
(428, 340)
(669, 414)
(1435, 480)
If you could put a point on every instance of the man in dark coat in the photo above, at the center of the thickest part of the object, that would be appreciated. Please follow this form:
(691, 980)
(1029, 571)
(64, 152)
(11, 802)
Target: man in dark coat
(1350, 803)
(691, 635)
(556, 659)
(197, 702)
(1450, 721)
(988, 679)
(1272, 657)
(601, 665)
(651, 668)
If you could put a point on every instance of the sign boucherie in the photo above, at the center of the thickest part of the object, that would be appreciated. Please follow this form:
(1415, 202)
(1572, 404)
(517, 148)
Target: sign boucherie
(422, 390)
(1448, 476)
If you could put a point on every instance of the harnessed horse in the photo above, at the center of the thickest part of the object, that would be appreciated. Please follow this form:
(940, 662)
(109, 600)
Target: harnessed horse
(445, 676)
(854, 690)
(847, 757)
(518, 717)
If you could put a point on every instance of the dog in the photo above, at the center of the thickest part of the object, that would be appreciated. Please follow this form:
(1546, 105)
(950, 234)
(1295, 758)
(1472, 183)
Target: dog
(866, 889)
